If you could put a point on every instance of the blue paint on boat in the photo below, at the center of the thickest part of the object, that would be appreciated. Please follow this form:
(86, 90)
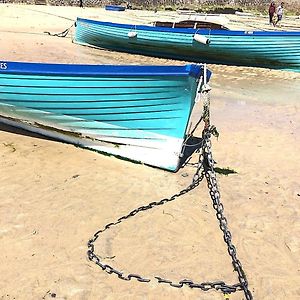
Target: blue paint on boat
(115, 7)
(99, 70)
(269, 49)
(142, 111)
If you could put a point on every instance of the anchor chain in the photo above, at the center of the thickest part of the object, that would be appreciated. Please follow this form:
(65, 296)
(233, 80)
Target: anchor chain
(63, 33)
(212, 183)
(204, 169)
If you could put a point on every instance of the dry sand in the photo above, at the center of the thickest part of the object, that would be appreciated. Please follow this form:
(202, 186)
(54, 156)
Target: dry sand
(54, 196)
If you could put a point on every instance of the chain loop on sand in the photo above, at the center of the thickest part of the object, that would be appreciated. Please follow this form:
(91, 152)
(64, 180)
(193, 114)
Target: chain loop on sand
(205, 169)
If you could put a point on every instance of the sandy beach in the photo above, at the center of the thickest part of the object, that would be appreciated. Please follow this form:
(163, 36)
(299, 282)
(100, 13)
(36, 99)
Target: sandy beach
(54, 196)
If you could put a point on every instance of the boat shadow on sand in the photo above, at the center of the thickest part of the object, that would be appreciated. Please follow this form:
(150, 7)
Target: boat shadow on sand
(192, 144)
(20, 131)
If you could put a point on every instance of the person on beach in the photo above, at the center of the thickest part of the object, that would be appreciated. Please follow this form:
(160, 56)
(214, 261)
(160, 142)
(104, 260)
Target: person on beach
(279, 13)
(128, 5)
(272, 9)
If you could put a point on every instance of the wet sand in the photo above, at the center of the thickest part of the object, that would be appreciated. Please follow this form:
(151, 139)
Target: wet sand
(55, 196)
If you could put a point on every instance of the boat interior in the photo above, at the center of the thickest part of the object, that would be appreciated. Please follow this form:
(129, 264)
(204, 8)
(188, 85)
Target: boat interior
(191, 24)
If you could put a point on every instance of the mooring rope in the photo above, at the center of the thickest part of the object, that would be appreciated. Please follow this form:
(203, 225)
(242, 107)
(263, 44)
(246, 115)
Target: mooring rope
(47, 13)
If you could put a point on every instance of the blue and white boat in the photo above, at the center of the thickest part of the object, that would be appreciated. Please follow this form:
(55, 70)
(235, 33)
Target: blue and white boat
(189, 41)
(137, 112)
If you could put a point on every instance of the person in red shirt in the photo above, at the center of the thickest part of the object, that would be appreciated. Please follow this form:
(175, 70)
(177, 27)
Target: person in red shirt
(272, 9)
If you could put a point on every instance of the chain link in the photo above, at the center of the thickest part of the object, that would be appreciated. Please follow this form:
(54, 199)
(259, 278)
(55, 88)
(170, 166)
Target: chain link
(205, 169)
(63, 33)
(210, 175)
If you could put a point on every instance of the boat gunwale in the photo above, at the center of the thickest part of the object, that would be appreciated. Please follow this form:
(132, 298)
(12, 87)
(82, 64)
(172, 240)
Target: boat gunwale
(74, 70)
(192, 30)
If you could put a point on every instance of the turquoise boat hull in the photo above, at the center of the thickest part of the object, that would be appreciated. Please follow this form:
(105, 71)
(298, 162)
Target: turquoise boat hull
(136, 112)
(268, 49)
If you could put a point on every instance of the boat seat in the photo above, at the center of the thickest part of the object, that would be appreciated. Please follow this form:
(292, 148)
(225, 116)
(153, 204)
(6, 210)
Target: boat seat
(209, 25)
(163, 24)
(190, 24)
(185, 24)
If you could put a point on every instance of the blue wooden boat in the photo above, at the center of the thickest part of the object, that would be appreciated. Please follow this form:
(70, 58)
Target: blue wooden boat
(115, 7)
(269, 49)
(137, 112)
